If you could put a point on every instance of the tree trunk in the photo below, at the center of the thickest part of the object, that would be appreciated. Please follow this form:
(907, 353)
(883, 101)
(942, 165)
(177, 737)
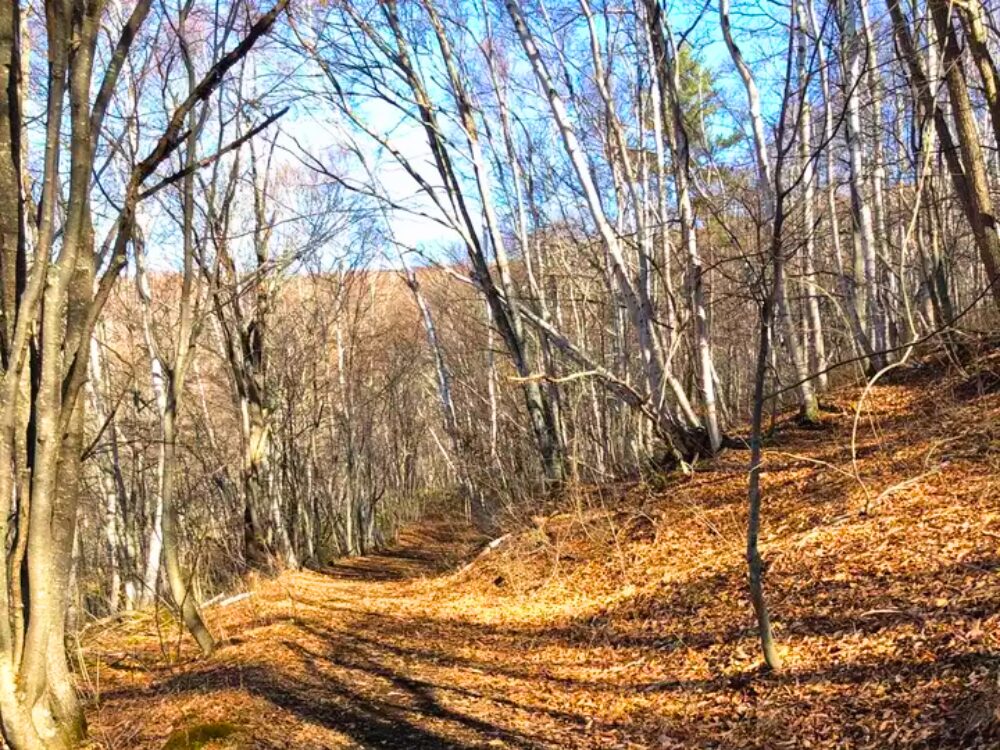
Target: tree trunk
(966, 164)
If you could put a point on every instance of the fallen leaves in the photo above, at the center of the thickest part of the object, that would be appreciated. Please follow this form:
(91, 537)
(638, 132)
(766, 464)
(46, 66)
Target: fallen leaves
(625, 623)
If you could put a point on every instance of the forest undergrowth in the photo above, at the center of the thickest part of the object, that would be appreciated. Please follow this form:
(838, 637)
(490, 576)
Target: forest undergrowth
(621, 620)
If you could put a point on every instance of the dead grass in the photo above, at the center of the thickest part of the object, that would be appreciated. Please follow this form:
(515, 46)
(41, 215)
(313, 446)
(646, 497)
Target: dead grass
(625, 623)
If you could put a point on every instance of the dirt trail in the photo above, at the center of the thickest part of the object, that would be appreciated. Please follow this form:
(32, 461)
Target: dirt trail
(625, 623)
(350, 657)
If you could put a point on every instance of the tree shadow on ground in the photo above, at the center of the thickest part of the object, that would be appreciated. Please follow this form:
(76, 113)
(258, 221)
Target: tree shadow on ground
(402, 719)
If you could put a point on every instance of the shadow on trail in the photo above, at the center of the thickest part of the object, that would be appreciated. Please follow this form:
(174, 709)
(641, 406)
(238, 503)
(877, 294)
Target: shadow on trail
(395, 721)
(326, 672)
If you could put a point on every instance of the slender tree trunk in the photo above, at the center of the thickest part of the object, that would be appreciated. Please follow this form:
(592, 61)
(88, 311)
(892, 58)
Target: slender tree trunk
(754, 562)
(852, 62)
(985, 223)
(815, 344)
(668, 80)
(966, 163)
(809, 405)
(976, 25)
(178, 580)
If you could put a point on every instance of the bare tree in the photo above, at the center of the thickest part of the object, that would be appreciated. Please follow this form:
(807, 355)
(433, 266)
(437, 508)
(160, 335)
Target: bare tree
(55, 279)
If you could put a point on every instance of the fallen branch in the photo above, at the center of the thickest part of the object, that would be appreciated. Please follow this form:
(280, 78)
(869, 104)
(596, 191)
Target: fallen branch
(221, 601)
(485, 551)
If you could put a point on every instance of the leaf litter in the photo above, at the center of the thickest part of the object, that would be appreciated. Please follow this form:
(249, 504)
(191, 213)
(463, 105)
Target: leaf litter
(622, 621)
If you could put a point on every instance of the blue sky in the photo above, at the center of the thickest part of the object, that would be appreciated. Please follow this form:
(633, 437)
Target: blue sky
(317, 130)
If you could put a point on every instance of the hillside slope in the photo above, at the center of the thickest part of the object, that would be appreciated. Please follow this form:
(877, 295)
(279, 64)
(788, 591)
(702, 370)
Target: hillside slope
(624, 623)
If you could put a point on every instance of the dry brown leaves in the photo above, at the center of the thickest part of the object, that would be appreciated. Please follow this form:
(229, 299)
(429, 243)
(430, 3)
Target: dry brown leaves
(625, 623)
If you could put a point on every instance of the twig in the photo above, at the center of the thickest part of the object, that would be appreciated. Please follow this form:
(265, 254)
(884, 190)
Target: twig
(167, 181)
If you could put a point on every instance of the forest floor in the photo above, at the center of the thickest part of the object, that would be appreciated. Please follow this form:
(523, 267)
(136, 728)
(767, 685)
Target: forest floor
(622, 621)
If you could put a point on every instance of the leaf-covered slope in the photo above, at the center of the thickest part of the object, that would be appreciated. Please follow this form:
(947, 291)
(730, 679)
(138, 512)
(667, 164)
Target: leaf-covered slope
(623, 622)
